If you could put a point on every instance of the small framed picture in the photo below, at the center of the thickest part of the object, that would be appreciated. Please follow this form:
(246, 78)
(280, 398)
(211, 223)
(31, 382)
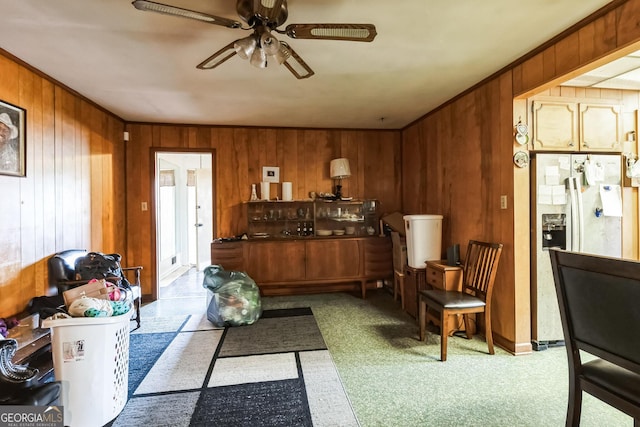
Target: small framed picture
(13, 149)
(270, 174)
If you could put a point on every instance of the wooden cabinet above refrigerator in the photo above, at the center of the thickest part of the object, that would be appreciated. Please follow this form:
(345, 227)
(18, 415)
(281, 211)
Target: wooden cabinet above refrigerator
(576, 126)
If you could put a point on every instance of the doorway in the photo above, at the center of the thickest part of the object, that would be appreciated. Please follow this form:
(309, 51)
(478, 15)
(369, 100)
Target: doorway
(609, 81)
(184, 207)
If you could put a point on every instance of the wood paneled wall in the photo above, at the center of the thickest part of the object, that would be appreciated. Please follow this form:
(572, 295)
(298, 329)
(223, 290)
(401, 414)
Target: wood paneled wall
(303, 156)
(457, 160)
(73, 194)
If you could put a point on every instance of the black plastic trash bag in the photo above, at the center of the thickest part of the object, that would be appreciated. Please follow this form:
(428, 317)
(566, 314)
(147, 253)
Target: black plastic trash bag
(236, 297)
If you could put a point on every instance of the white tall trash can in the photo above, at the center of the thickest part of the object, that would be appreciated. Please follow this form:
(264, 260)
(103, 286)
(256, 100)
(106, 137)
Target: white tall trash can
(91, 359)
(424, 239)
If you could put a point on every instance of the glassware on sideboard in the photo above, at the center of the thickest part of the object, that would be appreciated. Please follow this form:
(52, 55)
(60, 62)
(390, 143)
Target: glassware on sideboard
(308, 218)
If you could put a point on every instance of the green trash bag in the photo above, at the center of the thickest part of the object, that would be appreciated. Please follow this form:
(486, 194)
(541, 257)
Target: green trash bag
(235, 298)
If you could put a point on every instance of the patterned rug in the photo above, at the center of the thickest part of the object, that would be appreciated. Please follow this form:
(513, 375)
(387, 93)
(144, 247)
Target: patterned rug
(276, 372)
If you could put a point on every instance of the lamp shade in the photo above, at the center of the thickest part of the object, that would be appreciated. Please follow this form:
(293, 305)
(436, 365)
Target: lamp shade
(270, 44)
(258, 58)
(245, 47)
(339, 168)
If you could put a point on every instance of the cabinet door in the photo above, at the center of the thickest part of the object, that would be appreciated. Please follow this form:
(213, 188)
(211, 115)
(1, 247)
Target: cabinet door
(230, 255)
(600, 127)
(555, 125)
(333, 259)
(378, 257)
(276, 261)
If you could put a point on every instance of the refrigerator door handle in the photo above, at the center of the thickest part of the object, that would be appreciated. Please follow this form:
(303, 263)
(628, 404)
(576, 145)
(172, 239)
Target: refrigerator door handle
(580, 215)
(575, 232)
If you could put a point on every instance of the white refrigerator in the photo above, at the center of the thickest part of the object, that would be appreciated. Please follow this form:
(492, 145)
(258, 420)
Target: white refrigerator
(576, 204)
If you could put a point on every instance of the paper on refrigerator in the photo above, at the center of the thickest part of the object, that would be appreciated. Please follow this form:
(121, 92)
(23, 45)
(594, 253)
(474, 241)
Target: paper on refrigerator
(558, 195)
(611, 197)
(544, 195)
(552, 195)
(552, 175)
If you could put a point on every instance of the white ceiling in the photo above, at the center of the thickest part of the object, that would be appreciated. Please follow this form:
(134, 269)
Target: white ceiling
(142, 65)
(623, 73)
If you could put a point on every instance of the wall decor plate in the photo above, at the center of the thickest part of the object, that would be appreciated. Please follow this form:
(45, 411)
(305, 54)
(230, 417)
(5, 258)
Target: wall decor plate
(522, 129)
(522, 139)
(521, 159)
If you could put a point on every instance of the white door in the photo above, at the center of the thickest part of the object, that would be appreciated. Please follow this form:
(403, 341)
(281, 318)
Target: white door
(204, 212)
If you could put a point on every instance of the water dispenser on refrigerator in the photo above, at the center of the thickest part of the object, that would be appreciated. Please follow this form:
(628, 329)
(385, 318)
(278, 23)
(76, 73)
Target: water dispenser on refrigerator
(554, 231)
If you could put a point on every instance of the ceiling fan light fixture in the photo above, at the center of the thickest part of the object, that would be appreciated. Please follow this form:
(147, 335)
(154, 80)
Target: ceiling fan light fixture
(245, 47)
(282, 55)
(259, 58)
(269, 43)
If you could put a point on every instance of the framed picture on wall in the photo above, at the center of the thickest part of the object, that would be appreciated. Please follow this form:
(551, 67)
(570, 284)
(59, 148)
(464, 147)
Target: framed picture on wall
(13, 147)
(270, 174)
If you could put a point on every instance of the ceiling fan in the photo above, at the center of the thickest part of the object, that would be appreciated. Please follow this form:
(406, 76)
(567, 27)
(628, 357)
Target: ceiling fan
(263, 17)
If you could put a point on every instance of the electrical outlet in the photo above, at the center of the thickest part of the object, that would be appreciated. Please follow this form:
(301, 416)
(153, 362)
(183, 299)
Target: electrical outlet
(503, 202)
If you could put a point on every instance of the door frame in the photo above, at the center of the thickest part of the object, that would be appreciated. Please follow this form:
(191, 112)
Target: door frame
(153, 203)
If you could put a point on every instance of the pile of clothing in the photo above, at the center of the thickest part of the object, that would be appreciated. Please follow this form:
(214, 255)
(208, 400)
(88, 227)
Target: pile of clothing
(102, 290)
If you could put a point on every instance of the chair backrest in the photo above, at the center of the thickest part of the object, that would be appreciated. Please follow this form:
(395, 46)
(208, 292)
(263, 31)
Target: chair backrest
(480, 268)
(61, 267)
(399, 252)
(598, 298)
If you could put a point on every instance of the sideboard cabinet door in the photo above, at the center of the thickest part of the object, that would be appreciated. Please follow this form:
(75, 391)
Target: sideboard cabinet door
(333, 259)
(276, 261)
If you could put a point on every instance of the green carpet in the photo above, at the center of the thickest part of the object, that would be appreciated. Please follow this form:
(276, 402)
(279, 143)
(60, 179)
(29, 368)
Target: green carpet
(393, 379)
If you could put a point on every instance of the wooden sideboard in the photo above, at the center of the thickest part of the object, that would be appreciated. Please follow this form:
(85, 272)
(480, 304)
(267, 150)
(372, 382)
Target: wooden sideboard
(296, 266)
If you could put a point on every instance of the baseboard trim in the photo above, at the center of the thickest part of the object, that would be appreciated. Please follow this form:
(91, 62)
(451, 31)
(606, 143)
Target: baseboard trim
(517, 349)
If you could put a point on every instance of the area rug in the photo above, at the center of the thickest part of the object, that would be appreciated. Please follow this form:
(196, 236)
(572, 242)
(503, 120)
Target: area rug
(276, 372)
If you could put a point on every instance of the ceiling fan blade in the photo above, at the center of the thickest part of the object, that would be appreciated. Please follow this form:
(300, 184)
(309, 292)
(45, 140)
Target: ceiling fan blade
(294, 63)
(349, 32)
(218, 58)
(150, 6)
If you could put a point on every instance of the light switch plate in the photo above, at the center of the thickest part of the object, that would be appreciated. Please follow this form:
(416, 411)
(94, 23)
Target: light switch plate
(503, 202)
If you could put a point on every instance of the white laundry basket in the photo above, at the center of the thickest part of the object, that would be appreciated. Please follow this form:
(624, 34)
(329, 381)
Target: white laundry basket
(91, 359)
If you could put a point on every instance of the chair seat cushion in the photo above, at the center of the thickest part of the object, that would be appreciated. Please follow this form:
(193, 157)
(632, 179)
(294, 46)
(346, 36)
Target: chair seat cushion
(621, 381)
(452, 299)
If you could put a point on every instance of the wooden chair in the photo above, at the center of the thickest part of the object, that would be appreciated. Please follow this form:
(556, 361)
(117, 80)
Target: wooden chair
(399, 264)
(478, 276)
(598, 299)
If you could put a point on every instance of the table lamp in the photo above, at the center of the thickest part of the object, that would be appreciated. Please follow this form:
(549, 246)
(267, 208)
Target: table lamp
(339, 168)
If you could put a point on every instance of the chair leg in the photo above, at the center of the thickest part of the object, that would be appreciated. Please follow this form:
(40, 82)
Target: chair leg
(396, 280)
(443, 335)
(467, 326)
(137, 305)
(488, 331)
(574, 405)
(423, 318)
(401, 285)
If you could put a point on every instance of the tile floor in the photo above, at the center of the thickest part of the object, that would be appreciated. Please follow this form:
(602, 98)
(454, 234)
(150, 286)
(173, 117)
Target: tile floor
(186, 283)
